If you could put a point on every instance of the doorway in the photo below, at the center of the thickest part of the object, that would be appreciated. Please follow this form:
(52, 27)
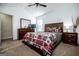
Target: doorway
(6, 27)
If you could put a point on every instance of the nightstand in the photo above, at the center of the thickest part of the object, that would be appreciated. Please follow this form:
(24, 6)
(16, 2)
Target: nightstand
(70, 38)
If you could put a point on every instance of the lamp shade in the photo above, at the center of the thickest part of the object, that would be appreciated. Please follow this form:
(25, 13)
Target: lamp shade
(32, 25)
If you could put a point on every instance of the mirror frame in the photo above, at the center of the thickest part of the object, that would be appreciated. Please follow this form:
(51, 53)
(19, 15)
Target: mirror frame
(24, 19)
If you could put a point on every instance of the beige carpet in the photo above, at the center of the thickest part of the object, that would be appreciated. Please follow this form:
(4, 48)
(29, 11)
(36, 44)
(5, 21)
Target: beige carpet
(16, 48)
(22, 51)
(66, 50)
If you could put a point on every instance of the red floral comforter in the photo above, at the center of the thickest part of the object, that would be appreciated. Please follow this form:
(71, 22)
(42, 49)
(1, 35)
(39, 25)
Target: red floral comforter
(44, 41)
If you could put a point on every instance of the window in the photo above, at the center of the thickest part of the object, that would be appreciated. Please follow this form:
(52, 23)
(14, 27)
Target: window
(39, 25)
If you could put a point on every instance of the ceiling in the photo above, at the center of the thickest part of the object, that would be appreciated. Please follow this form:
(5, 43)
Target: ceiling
(33, 11)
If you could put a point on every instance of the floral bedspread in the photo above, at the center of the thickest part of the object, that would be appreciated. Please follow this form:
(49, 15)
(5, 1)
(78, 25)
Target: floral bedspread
(44, 40)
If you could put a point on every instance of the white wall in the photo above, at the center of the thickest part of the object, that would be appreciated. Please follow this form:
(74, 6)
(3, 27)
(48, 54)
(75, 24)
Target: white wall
(60, 13)
(63, 14)
(17, 12)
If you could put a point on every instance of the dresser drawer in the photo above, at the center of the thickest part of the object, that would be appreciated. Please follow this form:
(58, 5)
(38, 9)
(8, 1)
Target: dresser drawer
(23, 31)
(70, 38)
(69, 35)
(70, 42)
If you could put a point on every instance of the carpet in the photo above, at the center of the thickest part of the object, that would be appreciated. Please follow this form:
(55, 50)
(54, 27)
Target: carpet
(17, 48)
(20, 50)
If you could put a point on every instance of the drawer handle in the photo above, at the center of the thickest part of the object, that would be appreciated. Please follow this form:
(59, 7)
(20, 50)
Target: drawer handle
(69, 40)
(69, 36)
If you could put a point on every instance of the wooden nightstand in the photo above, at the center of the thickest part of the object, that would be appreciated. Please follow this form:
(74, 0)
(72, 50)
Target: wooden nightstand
(70, 38)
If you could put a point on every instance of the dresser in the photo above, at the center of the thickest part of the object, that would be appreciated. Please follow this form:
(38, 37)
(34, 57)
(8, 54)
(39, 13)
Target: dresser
(23, 31)
(70, 38)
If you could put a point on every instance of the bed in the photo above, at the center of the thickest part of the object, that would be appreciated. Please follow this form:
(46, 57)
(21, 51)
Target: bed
(45, 42)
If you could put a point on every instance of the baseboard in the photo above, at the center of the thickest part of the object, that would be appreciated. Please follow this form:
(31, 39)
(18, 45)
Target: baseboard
(7, 38)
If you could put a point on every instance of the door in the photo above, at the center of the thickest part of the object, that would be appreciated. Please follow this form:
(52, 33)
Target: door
(0, 29)
(6, 27)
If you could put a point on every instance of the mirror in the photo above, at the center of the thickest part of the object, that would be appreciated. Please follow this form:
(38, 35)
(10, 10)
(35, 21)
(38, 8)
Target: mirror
(24, 23)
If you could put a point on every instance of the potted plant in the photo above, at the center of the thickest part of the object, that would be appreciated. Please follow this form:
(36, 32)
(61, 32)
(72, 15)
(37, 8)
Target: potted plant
(75, 24)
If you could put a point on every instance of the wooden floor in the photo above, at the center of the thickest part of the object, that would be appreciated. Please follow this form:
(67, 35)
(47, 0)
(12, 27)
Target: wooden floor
(16, 48)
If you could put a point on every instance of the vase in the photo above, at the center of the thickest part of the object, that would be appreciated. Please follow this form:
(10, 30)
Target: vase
(74, 29)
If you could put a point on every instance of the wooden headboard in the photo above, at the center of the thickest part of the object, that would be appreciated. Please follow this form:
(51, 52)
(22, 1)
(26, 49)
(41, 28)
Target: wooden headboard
(54, 27)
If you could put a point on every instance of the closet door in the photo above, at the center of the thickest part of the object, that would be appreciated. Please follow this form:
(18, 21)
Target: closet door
(0, 29)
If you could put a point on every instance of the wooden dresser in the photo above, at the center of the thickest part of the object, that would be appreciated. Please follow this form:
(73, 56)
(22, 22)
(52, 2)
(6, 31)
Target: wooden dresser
(23, 31)
(70, 38)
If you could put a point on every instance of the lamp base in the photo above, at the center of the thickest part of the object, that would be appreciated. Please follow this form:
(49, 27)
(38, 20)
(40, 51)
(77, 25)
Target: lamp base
(74, 29)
